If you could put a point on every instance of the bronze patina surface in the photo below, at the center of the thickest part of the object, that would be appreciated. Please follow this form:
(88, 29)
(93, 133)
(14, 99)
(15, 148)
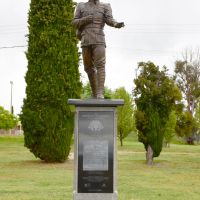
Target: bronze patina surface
(89, 20)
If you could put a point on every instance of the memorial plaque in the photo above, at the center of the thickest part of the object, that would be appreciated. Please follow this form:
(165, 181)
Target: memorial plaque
(95, 151)
(95, 155)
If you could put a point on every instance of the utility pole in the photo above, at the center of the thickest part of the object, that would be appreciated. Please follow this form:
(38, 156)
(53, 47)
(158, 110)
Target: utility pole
(11, 105)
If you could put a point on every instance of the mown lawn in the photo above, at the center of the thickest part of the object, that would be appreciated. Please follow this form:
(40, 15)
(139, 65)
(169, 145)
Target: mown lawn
(174, 176)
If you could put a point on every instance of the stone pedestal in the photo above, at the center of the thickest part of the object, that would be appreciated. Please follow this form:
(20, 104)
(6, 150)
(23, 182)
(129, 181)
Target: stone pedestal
(95, 149)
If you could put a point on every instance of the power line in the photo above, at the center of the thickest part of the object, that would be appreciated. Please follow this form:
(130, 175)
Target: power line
(151, 51)
(13, 47)
(167, 31)
(190, 29)
(132, 24)
(131, 30)
(162, 24)
(159, 29)
(11, 25)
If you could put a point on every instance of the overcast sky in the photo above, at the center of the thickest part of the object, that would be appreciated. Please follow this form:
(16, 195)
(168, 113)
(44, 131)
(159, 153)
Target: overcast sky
(156, 30)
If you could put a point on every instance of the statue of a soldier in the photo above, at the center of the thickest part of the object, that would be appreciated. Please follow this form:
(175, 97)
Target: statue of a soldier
(89, 20)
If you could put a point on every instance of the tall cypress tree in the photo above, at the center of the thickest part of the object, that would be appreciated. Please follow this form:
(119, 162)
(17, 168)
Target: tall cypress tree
(52, 78)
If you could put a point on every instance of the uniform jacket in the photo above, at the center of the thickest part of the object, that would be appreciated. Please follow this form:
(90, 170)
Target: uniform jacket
(91, 33)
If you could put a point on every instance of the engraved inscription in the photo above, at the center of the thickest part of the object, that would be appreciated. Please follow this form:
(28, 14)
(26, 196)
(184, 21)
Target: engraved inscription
(95, 155)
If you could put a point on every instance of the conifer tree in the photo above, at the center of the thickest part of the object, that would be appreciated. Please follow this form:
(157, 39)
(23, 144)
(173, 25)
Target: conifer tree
(52, 77)
(155, 96)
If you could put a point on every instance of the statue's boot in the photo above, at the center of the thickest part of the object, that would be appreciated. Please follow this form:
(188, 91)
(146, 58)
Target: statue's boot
(92, 76)
(100, 82)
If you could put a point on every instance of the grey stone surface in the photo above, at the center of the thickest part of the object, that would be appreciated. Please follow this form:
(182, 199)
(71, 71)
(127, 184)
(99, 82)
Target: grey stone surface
(93, 107)
(96, 102)
(87, 196)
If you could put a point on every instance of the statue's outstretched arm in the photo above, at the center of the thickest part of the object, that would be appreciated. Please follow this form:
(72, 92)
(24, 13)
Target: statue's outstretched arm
(109, 20)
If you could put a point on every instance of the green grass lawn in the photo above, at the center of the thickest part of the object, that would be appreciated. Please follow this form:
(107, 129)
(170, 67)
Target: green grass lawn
(174, 176)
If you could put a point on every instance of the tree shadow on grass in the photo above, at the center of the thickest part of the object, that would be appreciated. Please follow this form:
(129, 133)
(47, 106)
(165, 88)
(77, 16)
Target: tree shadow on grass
(162, 163)
(37, 163)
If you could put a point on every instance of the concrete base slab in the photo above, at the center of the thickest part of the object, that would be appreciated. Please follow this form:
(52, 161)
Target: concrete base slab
(94, 196)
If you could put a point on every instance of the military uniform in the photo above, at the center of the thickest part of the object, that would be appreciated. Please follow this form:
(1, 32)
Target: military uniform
(89, 20)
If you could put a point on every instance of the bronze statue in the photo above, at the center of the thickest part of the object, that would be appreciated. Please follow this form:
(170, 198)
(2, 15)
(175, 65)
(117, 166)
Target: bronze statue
(89, 20)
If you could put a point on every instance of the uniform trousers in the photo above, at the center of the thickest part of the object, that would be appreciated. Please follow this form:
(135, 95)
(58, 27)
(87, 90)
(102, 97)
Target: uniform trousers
(94, 59)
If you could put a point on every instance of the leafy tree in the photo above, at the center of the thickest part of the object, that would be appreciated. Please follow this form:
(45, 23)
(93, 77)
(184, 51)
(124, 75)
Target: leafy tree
(125, 114)
(108, 93)
(197, 115)
(187, 76)
(197, 118)
(186, 126)
(86, 92)
(7, 120)
(52, 78)
(169, 131)
(155, 96)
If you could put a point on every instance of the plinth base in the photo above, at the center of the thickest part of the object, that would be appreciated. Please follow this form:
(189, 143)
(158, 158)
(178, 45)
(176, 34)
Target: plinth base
(94, 196)
(95, 147)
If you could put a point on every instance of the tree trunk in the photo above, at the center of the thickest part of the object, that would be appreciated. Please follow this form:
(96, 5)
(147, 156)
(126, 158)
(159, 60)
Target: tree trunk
(149, 155)
(121, 139)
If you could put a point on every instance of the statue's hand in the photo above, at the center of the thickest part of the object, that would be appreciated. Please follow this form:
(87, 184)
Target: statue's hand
(120, 25)
(89, 18)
